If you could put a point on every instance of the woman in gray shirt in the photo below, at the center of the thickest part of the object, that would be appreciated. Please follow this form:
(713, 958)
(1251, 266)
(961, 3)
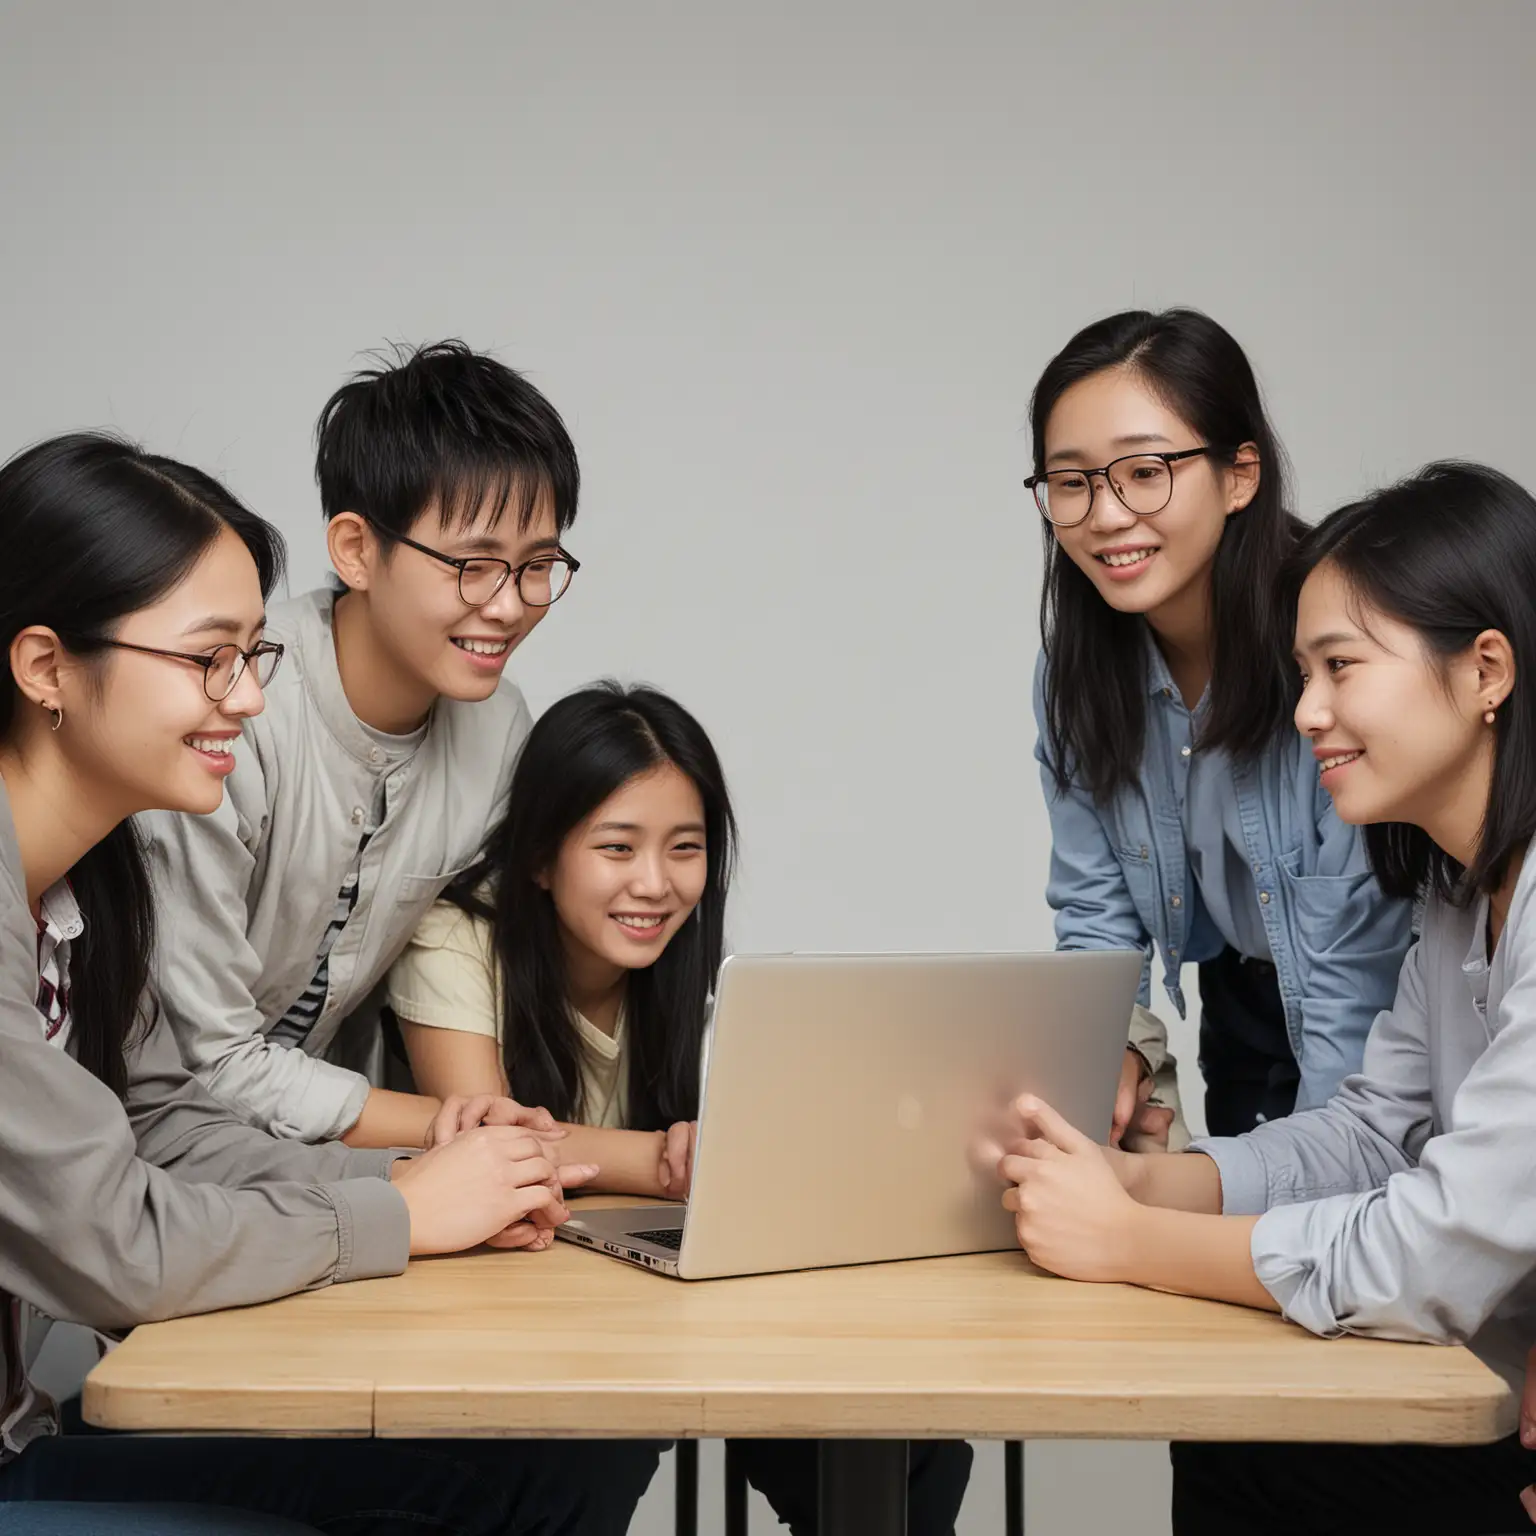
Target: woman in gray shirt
(1404, 1208)
(131, 613)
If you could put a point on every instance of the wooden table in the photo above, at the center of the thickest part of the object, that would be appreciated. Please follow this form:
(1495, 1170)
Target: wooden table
(570, 1343)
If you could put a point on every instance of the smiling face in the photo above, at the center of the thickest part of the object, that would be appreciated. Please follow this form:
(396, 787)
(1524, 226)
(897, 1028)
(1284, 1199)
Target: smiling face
(1399, 733)
(405, 636)
(1154, 564)
(630, 875)
(139, 731)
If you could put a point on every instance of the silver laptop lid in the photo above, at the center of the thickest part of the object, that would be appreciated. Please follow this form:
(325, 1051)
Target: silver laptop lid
(852, 1104)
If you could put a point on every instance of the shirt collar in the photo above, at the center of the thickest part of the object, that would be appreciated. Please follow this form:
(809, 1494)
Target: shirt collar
(61, 918)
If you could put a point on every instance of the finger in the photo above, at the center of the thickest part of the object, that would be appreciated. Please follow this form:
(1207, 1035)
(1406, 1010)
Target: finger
(1031, 1149)
(472, 1111)
(533, 1170)
(510, 1141)
(1044, 1122)
(1011, 1199)
(1144, 1087)
(518, 1234)
(573, 1175)
(445, 1124)
(540, 1205)
(1154, 1121)
(509, 1112)
(1021, 1165)
(1528, 1502)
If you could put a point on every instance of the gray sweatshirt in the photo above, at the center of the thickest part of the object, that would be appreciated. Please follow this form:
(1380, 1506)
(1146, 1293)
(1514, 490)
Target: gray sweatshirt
(249, 892)
(112, 1215)
(1405, 1208)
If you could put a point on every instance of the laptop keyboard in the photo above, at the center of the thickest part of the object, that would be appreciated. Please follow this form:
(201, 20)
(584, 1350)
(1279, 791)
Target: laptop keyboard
(663, 1237)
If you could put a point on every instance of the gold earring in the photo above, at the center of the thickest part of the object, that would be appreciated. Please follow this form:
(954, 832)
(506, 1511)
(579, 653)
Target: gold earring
(58, 716)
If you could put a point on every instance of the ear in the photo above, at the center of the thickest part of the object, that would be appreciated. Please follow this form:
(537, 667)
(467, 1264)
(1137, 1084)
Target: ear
(354, 549)
(542, 879)
(1495, 669)
(39, 663)
(1243, 478)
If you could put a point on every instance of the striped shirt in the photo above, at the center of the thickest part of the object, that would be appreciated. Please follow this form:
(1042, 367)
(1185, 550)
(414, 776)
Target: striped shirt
(294, 1026)
(22, 1328)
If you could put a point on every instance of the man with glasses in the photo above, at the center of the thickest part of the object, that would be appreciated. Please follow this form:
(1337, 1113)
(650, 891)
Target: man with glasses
(385, 750)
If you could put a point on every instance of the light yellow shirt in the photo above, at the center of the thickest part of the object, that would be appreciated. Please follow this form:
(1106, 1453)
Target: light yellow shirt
(448, 978)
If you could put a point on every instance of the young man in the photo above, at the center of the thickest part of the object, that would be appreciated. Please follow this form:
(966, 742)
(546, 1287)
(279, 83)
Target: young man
(385, 749)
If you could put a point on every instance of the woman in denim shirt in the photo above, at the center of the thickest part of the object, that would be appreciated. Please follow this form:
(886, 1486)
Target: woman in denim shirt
(1185, 810)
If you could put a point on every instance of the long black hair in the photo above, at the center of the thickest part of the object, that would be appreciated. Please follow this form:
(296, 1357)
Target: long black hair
(95, 529)
(1450, 552)
(1096, 690)
(582, 750)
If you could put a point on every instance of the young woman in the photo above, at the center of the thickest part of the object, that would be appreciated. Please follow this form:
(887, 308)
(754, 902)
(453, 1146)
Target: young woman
(131, 611)
(1185, 812)
(1404, 1208)
(573, 967)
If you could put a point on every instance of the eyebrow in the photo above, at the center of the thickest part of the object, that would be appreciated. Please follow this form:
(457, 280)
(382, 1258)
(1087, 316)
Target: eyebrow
(222, 624)
(1322, 642)
(634, 826)
(486, 545)
(1130, 440)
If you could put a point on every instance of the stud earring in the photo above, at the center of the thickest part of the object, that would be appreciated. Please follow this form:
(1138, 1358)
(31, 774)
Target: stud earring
(1488, 717)
(58, 716)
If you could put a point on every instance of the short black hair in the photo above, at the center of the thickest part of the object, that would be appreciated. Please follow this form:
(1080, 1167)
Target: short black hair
(1450, 552)
(446, 426)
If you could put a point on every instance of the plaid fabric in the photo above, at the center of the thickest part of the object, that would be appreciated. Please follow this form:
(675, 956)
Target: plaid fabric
(58, 924)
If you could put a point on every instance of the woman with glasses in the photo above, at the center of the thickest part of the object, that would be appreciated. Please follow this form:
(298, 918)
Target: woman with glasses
(383, 757)
(1186, 813)
(132, 614)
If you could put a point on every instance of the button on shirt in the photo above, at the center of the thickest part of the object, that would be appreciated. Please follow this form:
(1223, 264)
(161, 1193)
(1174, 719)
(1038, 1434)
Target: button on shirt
(1206, 792)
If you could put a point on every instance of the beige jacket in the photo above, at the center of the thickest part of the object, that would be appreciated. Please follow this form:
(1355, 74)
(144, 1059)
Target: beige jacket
(248, 892)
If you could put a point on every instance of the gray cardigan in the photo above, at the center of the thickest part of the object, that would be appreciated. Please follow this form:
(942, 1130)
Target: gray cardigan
(249, 890)
(1405, 1208)
(114, 1214)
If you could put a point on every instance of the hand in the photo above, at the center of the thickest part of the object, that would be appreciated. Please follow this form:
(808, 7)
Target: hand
(1072, 1213)
(1134, 1090)
(494, 1184)
(1149, 1128)
(1528, 1428)
(675, 1174)
(461, 1113)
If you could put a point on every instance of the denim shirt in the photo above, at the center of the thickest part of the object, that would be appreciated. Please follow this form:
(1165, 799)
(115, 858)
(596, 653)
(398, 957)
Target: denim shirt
(1120, 880)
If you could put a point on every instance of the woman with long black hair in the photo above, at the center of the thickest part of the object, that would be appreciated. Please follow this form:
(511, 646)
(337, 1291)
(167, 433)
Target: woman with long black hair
(132, 599)
(1186, 813)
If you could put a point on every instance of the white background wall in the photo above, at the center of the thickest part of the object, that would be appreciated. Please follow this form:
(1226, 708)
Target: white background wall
(789, 271)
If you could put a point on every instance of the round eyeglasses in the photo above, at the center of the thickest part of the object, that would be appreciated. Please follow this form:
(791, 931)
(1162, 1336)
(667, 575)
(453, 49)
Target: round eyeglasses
(540, 581)
(223, 666)
(1143, 483)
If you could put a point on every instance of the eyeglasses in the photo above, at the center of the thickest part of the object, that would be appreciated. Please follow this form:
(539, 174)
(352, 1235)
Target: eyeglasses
(1143, 482)
(223, 666)
(540, 581)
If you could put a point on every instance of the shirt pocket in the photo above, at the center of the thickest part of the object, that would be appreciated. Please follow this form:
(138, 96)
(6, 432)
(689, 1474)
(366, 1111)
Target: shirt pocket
(1322, 911)
(423, 890)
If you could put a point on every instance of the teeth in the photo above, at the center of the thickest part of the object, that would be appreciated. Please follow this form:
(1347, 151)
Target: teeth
(1334, 762)
(482, 647)
(1132, 557)
(214, 744)
(641, 922)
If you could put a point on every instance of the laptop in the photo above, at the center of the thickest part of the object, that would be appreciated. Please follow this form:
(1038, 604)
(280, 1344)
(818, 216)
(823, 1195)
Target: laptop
(852, 1106)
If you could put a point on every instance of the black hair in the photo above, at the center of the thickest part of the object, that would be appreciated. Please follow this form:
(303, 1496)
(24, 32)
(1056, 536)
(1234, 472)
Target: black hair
(581, 751)
(442, 426)
(95, 529)
(1096, 678)
(1450, 552)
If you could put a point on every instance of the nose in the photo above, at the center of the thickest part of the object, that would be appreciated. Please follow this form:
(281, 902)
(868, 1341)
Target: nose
(1106, 512)
(506, 606)
(648, 877)
(1314, 709)
(245, 698)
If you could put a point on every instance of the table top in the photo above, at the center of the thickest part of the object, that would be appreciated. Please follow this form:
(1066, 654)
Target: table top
(570, 1342)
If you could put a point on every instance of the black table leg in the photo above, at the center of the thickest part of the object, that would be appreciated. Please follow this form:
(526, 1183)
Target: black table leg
(686, 1516)
(863, 1488)
(1013, 1487)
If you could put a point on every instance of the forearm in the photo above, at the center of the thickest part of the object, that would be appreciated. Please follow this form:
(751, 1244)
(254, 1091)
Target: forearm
(629, 1162)
(1174, 1181)
(392, 1119)
(1195, 1255)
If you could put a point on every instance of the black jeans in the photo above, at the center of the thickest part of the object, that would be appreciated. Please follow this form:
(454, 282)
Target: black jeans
(784, 1472)
(352, 1487)
(1351, 1490)
(1245, 1054)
